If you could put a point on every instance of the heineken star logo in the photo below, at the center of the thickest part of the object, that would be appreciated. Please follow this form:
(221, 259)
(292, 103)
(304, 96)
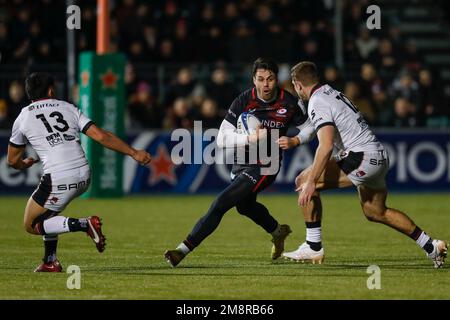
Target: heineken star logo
(162, 167)
(109, 79)
(85, 78)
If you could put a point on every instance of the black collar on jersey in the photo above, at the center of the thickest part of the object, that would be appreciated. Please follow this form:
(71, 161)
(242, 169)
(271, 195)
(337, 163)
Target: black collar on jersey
(314, 89)
(42, 99)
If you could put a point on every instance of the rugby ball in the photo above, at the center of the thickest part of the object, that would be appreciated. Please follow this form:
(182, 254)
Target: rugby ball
(247, 123)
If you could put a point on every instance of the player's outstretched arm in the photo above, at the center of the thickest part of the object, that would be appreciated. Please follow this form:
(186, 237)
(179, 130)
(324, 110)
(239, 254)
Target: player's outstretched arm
(306, 134)
(110, 141)
(15, 160)
(323, 154)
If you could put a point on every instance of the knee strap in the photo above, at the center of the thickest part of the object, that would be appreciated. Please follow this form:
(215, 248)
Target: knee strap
(38, 222)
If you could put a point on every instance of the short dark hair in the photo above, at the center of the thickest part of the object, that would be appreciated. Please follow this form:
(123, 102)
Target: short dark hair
(266, 64)
(305, 72)
(37, 85)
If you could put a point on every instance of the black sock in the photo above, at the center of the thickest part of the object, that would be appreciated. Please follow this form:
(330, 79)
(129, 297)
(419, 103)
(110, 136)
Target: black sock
(416, 233)
(189, 244)
(316, 246)
(50, 245)
(429, 247)
(78, 224)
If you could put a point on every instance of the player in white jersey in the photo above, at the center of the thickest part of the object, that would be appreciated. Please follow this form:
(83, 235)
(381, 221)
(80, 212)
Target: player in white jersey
(52, 127)
(361, 160)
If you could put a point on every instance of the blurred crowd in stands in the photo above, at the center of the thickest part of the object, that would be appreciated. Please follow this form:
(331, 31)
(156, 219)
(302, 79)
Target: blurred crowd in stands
(383, 75)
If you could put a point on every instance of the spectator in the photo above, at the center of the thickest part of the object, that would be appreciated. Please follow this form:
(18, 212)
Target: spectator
(405, 114)
(333, 78)
(352, 17)
(278, 43)
(231, 17)
(143, 110)
(404, 86)
(365, 43)
(5, 122)
(411, 57)
(396, 38)
(17, 99)
(363, 104)
(5, 43)
(130, 81)
(128, 22)
(221, 90)
(383, 108)
(183, 86)
(166, 51)
(310, 52)
(302, 34)
(180, 116)
(243, 45)
(136, 52)
(151, 43)
(183, 43)
(325, 39)
(263, 20)
(209, 114)
(173, 31)
(351, 53)
(369, 81)
(210, 37)
(432, 102)
(385, 60)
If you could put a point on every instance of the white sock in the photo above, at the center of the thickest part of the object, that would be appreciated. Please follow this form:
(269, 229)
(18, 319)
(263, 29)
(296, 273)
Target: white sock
(422, 239)
(183, 248)
(56, 225)
(314, 234)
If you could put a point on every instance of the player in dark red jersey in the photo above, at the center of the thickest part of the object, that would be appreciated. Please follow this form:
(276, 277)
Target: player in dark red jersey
(277, 110)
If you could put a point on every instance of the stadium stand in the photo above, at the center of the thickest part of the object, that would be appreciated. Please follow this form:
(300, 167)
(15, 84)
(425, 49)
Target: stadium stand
(399, 75)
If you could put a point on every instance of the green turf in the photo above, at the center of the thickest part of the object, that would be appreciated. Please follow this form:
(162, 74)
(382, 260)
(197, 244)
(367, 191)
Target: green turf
(233, 263)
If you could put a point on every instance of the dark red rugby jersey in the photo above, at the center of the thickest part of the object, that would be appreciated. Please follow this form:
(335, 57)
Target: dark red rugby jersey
(281, 113)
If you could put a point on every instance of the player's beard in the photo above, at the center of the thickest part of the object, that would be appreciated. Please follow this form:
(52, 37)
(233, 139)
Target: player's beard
(304, 97)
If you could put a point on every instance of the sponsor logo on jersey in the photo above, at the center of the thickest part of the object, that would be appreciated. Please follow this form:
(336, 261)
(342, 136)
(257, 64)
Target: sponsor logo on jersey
(54, 200)
(360, 173)
(253, 179)
(281, 111)
(68, 137)
(43, 105)
(377, 162)
(72, 186)
(317, 120)
(272, 124)
(313, 114)
(362, 123)
(54, 139)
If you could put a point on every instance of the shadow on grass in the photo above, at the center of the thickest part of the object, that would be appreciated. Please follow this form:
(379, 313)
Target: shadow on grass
(240, 270)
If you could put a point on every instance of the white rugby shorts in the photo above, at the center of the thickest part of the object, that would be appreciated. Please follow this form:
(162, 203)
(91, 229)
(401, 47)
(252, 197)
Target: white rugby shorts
(56, 190)
(365, 168)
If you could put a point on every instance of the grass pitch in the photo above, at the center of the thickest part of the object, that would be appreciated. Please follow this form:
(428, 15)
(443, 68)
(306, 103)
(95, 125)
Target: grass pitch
(234, 262)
